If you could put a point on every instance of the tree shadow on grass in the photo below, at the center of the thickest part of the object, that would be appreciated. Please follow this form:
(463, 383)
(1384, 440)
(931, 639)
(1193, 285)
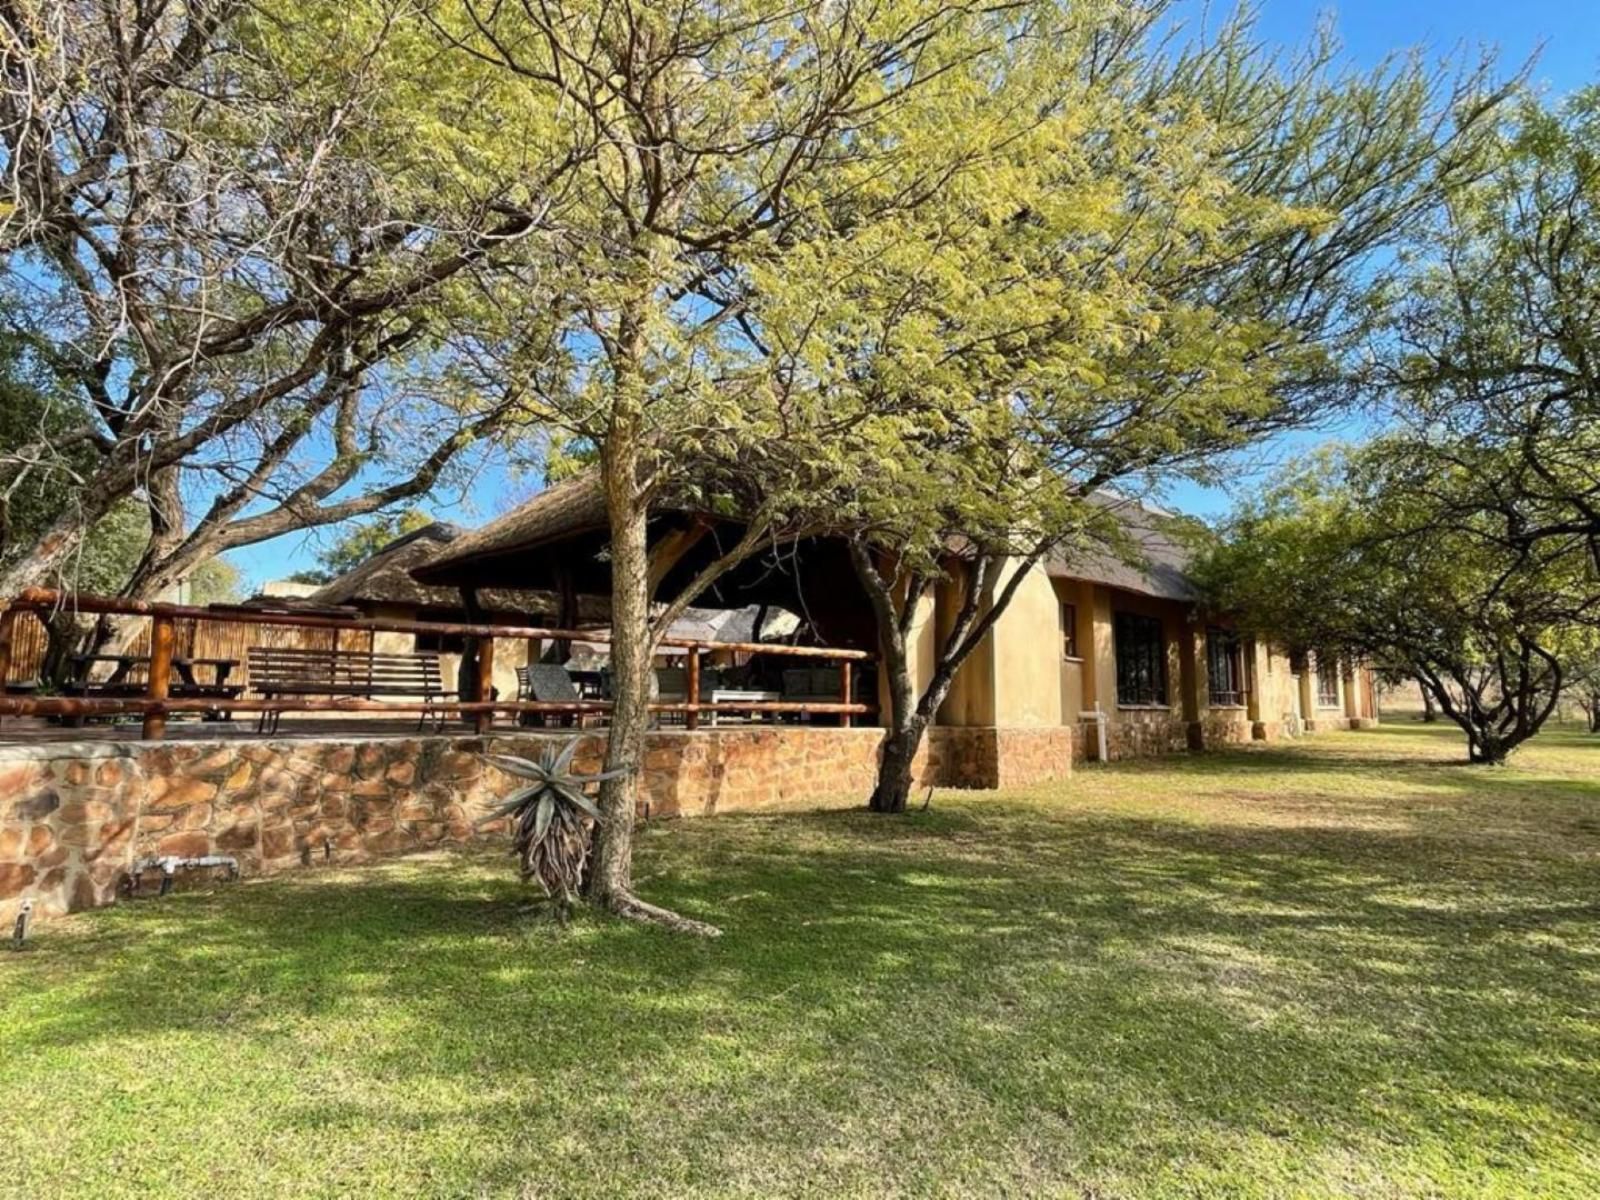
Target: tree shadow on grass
(1070, 995)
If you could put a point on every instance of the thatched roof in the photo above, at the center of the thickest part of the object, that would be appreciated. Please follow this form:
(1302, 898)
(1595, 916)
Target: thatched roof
(576, 505)
(385, 578)
(1161, 558)
(576, 509)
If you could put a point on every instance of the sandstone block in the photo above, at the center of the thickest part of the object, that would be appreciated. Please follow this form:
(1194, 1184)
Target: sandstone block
(218, 762)
(187, 790)
(15, 878)
(188, 844)
(114, 837)
(37, 806)
(195, 816)
(84, 812)
(17, 778)
(241, 836)
(54, 856)
(390, 841)
(278, 842)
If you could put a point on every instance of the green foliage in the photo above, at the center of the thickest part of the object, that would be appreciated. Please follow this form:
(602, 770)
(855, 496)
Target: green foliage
(1464, 545)
(360, 542)
(1390, 562)
(1132, 268)
(32, 412)
(278, 160)
(216, 581)
(1490, 359)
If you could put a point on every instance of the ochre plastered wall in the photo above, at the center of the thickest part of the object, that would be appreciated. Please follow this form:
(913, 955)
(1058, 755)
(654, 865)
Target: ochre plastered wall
(1019, 678)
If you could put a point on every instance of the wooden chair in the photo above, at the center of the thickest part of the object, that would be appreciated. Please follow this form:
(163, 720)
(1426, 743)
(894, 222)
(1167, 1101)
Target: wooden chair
(547, 683)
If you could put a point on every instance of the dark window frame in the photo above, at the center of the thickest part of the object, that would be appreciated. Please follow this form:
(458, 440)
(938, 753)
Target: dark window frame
(1069, 630)
(1327, 686)
(439, 643)
(434, 642)
(1141, 649)
(1226, 683)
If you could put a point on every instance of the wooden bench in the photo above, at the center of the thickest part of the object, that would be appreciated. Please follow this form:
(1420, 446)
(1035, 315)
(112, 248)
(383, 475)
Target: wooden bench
(285, 671)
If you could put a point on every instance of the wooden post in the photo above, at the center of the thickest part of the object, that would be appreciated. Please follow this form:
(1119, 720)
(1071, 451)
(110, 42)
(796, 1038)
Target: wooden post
(560, 649)
(844, 691)
(8, 624)
(155, 724)
(692, 719)
(485, 720)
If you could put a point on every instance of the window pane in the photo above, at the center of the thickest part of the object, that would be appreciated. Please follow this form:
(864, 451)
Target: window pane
(1141, 660)
(1224, 667)
(1328, 684)
(1069, 630)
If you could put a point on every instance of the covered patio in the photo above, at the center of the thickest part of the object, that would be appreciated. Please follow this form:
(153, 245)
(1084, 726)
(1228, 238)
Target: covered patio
(299, 672)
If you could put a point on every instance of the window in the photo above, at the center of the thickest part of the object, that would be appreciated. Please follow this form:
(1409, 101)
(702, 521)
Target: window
(1328, 684)
(1141, 660)
(441, 643)
(1069, 631)
(438, 641)
(1225, 667)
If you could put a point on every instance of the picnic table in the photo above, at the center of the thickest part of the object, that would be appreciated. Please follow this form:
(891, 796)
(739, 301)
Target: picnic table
(83, 664)
(186, 686)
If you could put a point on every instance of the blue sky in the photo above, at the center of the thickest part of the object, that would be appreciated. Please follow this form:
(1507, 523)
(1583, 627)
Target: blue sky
(1564, 33)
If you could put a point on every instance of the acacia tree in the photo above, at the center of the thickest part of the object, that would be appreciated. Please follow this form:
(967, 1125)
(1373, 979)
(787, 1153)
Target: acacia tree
(1483, 620)
(727, 149)
(1490, 359)
(1585, 682)
(1178, 258)
(224, 246)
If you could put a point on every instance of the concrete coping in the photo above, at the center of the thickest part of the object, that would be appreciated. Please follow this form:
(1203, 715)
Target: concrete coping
(98, 749)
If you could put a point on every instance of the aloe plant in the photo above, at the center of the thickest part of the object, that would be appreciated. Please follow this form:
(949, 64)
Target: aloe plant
(552, 821)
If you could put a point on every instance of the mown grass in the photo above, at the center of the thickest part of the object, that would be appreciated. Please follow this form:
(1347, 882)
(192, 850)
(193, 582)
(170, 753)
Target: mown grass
(1349, 967)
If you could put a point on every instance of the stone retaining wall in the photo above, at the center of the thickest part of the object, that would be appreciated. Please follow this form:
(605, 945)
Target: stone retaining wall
(75, 817)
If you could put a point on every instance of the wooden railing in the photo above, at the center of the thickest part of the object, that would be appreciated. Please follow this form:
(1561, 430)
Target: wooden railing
(157, 704)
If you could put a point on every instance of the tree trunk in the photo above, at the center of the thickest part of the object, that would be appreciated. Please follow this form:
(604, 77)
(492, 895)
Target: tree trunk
(1489, 749)
(65, 634)
(895, 768)
(911, 714)
(49, 561)
(1430, 711)
(609, 884)
(611, 873)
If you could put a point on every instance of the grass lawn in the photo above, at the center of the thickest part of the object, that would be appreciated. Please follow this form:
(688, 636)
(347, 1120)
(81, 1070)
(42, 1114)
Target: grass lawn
(1350, 967)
